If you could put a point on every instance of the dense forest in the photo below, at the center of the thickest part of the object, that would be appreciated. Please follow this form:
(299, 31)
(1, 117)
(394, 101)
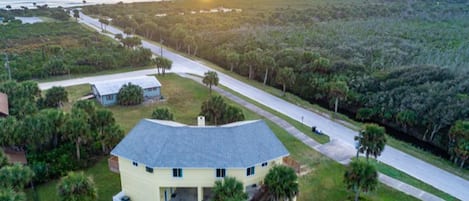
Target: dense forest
(400, 63)
(59, 46)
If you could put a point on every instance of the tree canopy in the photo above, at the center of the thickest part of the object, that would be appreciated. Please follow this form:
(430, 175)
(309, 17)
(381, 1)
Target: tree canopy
(282, 183)
(210, 79)
(360, 176)
(371, 140)
(130, 94)
(218, 112)
(162, 113)
(77, 187)
(229, 189)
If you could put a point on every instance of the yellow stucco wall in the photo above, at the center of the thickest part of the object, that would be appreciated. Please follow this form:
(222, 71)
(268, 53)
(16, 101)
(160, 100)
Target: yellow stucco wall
(140, 185)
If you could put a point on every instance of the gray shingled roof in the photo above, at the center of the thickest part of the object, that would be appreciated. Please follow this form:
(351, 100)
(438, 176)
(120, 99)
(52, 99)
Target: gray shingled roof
(113, 86)
(167, 145)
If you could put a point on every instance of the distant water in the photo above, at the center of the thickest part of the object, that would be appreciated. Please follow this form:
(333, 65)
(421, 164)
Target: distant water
(29, 20)
(16, 4)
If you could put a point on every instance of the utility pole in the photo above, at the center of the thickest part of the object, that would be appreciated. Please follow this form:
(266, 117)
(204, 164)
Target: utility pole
(161, 47)
(7, 66)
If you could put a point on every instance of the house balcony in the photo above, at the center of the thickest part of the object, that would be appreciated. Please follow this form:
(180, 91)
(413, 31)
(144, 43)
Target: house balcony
(113, 163)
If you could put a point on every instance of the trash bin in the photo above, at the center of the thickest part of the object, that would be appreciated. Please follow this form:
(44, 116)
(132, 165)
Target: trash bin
(125, 198)
(313, 129)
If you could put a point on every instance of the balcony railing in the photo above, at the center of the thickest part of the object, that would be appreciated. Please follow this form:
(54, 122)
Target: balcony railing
(113, 163)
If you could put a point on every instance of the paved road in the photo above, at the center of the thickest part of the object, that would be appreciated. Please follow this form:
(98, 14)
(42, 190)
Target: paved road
(335, 149)
(417, 168)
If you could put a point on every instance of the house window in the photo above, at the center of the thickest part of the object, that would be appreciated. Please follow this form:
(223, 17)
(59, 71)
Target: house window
(135, 164)
(177, 172)
(264, 164)
(109, 97)
(220, 172)
(250, 171)
(149, 169)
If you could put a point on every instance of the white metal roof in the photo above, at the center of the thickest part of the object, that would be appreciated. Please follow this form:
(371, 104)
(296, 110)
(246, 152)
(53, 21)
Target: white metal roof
(113, 86)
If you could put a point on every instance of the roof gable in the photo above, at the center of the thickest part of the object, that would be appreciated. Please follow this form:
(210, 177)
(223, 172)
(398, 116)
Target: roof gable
(240, 145)
(113, 86)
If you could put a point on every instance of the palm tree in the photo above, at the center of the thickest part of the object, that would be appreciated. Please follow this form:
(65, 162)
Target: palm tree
(8, 194)
(55, 97)
(76, 14)
(360, 176)
(269, 63)
(38, 130)
(130, 94)
(162, 114)
(210, 78)
(371, 140)
(233, 58)
(286, 77)
(251, 59)
(338, 90)
(15, 176)
(213, 109)
(104, 119)
(104, 22)
(77, 187)
(166, 64)
(77, 129)
(281, 183)
(229, 189)
(3, 159)
(232, 114)
(458, 145)
(162, 63)
(57, 118)
(86, 105)
(9, 129)
(113, 134)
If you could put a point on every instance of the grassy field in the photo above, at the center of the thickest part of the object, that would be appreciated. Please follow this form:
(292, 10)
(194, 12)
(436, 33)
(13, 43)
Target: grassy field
(107, 182)
(184, 98)
(394, 173)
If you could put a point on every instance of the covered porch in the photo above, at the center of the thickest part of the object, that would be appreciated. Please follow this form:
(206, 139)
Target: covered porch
(185, 193)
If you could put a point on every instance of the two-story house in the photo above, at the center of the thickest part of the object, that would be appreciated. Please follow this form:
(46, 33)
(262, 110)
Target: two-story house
(158, 157)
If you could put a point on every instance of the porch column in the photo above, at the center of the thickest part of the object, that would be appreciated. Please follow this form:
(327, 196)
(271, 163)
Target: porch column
(200, 193)
(158, 196)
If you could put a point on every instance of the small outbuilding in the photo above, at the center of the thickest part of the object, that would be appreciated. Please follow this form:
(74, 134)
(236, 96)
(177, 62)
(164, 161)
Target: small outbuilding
(106, 91)
(4, 105)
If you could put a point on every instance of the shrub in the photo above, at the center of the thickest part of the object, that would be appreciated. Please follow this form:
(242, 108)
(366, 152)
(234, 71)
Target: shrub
(162, 114)
(130, 94)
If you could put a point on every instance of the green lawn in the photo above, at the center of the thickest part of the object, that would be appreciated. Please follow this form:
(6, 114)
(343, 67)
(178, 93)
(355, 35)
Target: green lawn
(325, 181)
(401, 176)
(107, 182)
(184, 98)
(428, 157)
